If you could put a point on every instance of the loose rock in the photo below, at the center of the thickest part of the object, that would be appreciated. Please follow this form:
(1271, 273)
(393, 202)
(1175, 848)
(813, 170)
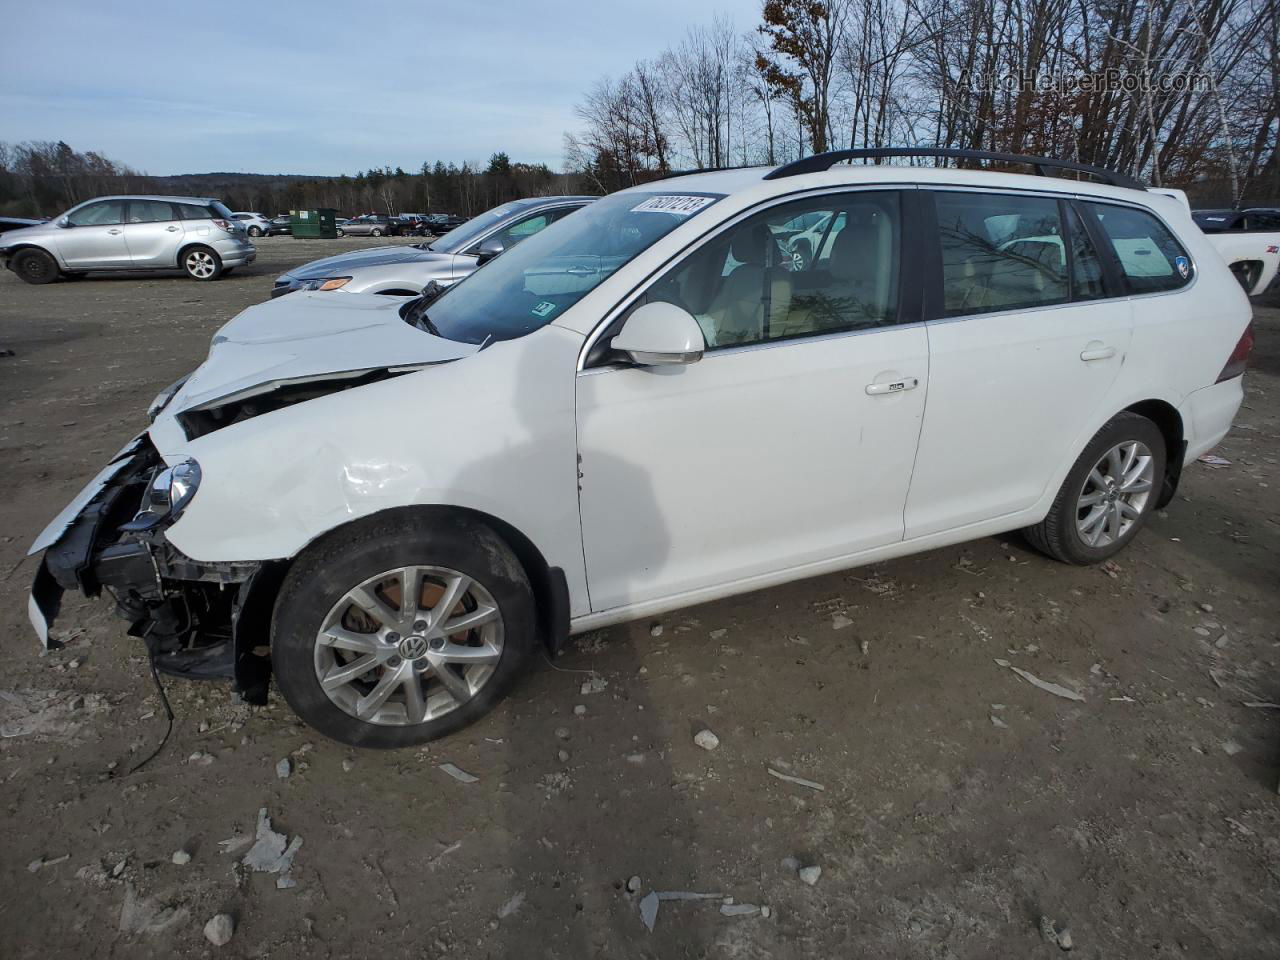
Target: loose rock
(181, 857)
(633, 885)
(655, 631)
(220, 929)
(810, 875)
(706, 740)
(284, 768)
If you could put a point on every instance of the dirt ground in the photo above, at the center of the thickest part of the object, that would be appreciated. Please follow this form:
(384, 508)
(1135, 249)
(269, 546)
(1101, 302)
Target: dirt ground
(961, 803)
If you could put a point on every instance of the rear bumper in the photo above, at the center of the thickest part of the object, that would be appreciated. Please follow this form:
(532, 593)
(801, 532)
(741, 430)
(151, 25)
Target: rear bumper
(1207, 415)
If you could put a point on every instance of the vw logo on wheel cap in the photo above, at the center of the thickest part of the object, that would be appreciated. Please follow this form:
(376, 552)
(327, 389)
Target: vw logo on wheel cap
(411, 648)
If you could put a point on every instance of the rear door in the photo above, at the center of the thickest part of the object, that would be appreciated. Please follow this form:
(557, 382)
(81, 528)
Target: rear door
(94, 237)
(153, 233)
(1027, 334)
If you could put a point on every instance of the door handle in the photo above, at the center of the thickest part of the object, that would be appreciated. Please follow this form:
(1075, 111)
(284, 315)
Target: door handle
(1097, 352)
(114, 230)
(893, 386)
(172, 229)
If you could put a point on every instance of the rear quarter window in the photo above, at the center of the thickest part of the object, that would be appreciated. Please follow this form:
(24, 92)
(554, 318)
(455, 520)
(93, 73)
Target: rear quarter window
(1150, 257)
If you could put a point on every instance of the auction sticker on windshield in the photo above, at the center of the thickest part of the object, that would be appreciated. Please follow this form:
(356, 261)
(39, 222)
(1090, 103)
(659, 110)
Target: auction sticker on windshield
(681, 206)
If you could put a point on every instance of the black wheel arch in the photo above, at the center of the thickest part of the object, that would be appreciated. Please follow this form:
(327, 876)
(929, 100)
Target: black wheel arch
(1166, 417)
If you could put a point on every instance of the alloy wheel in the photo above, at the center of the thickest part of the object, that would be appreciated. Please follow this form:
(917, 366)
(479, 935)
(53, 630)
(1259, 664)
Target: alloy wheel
(200, 264)
(408, 645)
(1115, 493)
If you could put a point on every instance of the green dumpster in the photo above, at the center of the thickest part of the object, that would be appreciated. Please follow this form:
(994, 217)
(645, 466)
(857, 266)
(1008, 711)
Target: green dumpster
(314, 224)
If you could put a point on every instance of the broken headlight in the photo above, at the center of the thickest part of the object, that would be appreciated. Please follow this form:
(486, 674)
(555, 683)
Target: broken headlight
(168, 493)
(164, 396)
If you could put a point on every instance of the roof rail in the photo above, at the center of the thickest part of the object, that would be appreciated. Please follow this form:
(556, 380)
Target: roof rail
(825, 161)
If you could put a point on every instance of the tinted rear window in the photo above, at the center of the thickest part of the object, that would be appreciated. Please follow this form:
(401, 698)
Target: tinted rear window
(1150, 257)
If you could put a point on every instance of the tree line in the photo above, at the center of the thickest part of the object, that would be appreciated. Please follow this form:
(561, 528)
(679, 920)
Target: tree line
(1178, 92)
(46, 178)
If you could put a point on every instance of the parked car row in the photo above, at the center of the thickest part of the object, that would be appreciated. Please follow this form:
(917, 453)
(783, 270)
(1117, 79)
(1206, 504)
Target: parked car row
(646, 401)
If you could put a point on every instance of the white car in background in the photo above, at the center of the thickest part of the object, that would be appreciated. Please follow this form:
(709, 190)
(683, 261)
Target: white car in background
(650, 405)
(255, 224)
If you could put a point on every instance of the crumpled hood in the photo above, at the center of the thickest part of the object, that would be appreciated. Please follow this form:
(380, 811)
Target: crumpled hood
(307, 336)
(377, 257)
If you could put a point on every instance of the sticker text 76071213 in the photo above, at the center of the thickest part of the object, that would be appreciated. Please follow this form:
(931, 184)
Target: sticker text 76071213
(680, 206)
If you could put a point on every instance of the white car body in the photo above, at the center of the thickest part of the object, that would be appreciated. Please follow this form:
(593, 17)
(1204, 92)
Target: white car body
(253, 220)
(656, 487)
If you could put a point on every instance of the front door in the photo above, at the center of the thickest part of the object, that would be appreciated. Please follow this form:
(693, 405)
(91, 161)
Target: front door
(1021, 359)
(94, 237)
(153, 233)
(789, 443)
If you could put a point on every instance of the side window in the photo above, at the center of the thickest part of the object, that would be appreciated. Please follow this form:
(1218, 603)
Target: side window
(150, 211)
(1086, 265)
(1000, 252)
(747, 285)
(193, 211)
(1150, 258)
(523, 229)
(99, 214)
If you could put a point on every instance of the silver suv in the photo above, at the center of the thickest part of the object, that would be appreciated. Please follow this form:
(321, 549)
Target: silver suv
(404, 270)
(195, 234)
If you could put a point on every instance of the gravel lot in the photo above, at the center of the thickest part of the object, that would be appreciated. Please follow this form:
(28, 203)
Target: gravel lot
(961, 803)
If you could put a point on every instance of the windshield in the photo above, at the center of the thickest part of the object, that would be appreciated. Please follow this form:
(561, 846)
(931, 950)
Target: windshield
(455, 240)
(529, 286)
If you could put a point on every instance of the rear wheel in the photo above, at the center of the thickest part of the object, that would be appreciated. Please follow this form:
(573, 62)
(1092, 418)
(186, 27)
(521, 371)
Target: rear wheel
(375, 232)
(403, 631)
(255, 231)
(35, 266)
(1108, 494)
(341, 232)
(202, 263)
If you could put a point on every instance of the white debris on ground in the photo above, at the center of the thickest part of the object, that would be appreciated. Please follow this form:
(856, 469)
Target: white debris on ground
(839, 621)
(706, 739)
(458, 773)
(511, 906)
(649, 905)
(40, 864)
(272, 852)
(284, 768)
(655, 630)
(1055, 688)
(800, 781)
(593, 684)
(180, 857)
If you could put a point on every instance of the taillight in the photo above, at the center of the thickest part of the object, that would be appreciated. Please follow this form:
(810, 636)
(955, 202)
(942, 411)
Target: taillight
(225, 225)
(1239, 356)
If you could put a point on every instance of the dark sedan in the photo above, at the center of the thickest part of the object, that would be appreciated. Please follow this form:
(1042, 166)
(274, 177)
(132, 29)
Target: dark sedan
(280, 225)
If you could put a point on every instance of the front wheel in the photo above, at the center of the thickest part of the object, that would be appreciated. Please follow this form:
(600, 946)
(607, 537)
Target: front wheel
(202, 263)
(35, 266)
(405, 630)
(1108, 494)
(341, 232)
(375, 232)
(255, 231)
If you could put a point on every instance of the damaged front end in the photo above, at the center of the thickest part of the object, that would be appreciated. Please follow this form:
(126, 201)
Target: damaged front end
(199, 620)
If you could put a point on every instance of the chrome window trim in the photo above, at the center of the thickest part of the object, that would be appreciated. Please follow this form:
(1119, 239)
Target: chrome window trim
(701, 241)
(767, 345)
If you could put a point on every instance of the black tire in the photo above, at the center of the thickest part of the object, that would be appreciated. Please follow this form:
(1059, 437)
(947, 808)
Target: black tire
(375, 232)
(255, 231)
(341, 232)
(1057, 534)
(201, 263)
(35, 266)
(336, 564)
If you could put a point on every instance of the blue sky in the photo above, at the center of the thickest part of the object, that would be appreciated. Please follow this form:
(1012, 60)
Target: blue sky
(321, 87)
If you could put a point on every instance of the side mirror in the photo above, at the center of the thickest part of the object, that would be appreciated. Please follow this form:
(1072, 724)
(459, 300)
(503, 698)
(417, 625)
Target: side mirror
(490, 249)
(64, 222)
(660, 333)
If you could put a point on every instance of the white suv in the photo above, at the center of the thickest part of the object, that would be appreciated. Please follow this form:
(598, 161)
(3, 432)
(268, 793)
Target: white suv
(650, 404)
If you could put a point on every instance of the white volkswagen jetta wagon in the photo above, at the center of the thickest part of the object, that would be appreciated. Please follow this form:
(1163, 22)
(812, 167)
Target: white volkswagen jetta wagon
(391, 504)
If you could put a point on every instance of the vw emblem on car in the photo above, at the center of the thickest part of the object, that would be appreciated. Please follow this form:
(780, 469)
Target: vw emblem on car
(411, 648)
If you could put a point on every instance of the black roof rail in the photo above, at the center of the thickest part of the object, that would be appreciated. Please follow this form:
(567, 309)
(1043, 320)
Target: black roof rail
(825, 161)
